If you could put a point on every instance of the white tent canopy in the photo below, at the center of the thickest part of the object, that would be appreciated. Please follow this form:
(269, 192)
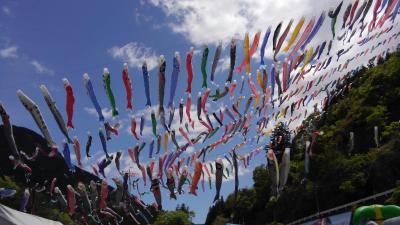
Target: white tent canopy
(9, 216)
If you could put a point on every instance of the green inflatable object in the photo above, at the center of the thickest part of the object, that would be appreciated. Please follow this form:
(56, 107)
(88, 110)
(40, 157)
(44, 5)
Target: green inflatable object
(377, 213)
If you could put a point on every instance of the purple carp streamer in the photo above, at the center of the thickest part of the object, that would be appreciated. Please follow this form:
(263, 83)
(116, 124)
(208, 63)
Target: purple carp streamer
(146, 83)
(174, 78)
(264, 45)
(92, 96)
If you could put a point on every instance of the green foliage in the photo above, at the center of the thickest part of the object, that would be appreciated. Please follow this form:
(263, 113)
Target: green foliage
(55, 214)
(280, 138)
(7, 182)
(220, 221)
(173, 218)
(337, 176)
(185, 208)
(392, 131)
(42, 210)
(395, 198)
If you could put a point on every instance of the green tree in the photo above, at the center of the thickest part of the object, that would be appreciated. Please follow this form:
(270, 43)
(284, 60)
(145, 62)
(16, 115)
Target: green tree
(186, 209)
(395, 198)
(173, 218)
(220, 221)
(336, 177)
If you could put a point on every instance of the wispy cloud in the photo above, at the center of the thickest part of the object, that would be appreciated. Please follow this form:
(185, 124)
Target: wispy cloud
(107, 113)
(6, 10)
(41, 69)
(9, 52)
(135, 54)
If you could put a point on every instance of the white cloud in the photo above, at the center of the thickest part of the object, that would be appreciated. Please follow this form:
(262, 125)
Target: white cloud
(41, 69)
(135, 54)
(107, 113)
(223, 64)
(9, 52)
(6, 10)
(203, 22)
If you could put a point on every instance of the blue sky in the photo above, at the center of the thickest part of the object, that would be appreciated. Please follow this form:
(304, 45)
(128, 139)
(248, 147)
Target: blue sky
(43, 41)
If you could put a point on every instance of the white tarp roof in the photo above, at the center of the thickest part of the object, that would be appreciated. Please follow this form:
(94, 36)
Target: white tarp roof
(9, 216)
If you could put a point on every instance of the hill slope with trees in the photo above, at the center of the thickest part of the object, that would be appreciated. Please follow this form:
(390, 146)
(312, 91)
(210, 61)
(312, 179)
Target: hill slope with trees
(342, 169)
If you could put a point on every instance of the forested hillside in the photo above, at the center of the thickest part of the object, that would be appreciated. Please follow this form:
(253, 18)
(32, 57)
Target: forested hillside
(341, 168)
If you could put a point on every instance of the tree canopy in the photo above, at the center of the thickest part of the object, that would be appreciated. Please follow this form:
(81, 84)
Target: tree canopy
(337, 175)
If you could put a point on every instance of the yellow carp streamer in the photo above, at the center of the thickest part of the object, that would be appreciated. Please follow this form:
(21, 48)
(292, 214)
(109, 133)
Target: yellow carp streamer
(295, 33)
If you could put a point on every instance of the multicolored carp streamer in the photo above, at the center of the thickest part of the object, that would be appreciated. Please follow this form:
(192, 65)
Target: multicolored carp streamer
(219, 171)
(302, 39)
(189, 70)
(133, 128)
(188, 107)
(199, 106)
(204, 100)
(282, 39)
(232, 60)
(263, 45)
(110, 95)
(321, 49)
(155, 188)
(88, 144)
(77, 149)
(383, 5)
(358, 14)
(387, 13)
(371, 25)
(246, 59)
(8, 132)
(34, 110)
(154, 122)
(214, 65)
(315, 30)
(146, 83)
(70, 102)
(235, 166)
(142, 121)
(103, 142)
(174, 78)
(71, 200)
(285, 168)
(196, 177)
(346, 14)
(333, 15)
(276, 35)
(286, 89)
(92, 96)
(166, 142)
(295, 34)
(128, 86)
(171, 183)
(352, 11)
(366, 10)
(56, 113)
(249, 51)
(204, 65)
(161, 83)
(67, 156)
(394, 14)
